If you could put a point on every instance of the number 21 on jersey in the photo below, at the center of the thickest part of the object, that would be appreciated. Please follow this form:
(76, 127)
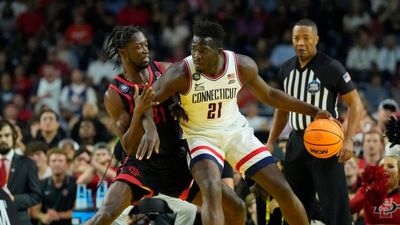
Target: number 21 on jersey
(214, 110)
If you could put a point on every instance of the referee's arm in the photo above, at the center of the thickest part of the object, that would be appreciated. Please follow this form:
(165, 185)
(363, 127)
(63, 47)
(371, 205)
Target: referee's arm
(353, 101)
(278, 124)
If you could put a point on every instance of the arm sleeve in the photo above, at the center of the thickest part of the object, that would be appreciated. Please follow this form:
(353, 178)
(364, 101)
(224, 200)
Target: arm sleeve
(343, 82)
(357, 203)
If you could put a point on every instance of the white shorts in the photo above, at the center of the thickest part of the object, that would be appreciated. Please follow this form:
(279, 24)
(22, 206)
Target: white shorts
(234, 143)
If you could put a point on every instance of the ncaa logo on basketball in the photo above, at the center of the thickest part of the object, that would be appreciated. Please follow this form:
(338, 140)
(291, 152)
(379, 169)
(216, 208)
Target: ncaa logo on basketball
(124, 88)
(313, 87)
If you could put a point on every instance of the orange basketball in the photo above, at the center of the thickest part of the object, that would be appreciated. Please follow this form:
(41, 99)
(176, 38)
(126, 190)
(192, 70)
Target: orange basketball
(323, 138)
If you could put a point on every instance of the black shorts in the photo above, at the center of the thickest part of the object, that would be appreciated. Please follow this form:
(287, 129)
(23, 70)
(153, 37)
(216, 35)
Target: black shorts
(167, 174)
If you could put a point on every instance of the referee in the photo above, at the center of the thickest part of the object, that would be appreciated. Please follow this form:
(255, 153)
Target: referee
(315, 78)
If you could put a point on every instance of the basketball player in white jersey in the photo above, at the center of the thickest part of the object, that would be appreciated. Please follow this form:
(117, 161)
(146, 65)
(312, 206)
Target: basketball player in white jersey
(208, 82)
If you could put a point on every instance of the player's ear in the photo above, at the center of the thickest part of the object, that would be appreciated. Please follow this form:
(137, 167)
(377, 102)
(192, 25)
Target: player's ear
(121, 52)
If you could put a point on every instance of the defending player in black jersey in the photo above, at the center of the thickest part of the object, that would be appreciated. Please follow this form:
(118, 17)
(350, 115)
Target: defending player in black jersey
(143, 173)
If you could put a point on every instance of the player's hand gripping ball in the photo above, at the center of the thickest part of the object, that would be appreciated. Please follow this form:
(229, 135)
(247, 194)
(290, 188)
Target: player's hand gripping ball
(323, 138)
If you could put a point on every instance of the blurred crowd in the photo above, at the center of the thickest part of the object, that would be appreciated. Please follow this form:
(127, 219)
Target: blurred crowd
(53, 70)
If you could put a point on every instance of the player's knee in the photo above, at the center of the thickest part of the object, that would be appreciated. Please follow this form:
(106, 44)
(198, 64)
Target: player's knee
(211, 187)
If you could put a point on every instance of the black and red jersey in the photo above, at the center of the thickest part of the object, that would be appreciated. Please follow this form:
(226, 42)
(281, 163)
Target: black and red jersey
(167, 126)
(166, 172)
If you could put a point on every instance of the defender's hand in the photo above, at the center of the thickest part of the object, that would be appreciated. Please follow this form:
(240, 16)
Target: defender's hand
(149, 142)
(144, 101)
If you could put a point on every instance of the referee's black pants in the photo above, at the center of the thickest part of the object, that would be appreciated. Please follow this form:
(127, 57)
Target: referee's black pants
(308, 175)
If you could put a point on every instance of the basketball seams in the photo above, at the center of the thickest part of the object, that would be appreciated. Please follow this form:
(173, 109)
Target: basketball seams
(323, 131)
(321, 144)
(324, 128)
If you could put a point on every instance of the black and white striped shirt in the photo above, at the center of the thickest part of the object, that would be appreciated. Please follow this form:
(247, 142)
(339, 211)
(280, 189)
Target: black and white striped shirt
(318, 83)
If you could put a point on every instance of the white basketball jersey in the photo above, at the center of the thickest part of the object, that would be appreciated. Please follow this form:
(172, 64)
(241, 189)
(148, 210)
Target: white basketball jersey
(211, 102)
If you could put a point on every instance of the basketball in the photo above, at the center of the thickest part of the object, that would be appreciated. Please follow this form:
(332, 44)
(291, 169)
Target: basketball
(323, 138)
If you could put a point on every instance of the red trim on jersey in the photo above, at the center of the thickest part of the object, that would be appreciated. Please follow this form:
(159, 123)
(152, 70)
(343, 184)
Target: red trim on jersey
(134, 181)
(132, 84)
(237, 69)
(160, 67)
(249, 156)
(151, 76)
(216, 77)
(122, 80)
(189, 77)
(207, 148)
(185, 193)
(112, 86)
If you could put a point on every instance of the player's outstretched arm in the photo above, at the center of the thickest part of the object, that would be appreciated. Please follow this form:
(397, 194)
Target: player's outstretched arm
(173, 81)
(258, 87)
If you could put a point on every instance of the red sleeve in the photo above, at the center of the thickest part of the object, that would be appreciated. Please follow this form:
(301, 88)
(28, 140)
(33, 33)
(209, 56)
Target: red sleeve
(357, 203)
(160, 67)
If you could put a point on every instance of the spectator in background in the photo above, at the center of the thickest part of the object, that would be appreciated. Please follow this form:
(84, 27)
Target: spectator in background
(9, 11)
(176, 31)
(81, 162)
(101, 157)
(10, 112)
(32, 21)
(49, 131)
(48, 89)
(100, 69)
(387, 108)
(257, 122)
(69, 146)
(283, 50)
(355, 17)
(388, 57)
(22, 82)
(251, 207)
(58, 192)
(79, 33)
(7, 91)
(75, 95)
(87, 134)
(90, 112)
(361, 58)
(374, 91)
(65, 54)
(372, 149)
(18, 174)
(37, 151)
(24, 111)
(352, 173)
(134, 7)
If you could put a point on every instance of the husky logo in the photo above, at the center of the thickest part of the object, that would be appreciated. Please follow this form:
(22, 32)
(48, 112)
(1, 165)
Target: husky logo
(124, 88)
(158, 74)
(313, 87)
